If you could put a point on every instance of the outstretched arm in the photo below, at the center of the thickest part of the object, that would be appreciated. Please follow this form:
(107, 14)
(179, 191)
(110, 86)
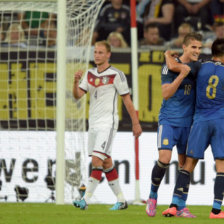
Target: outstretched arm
(77, 92)
(136, 127)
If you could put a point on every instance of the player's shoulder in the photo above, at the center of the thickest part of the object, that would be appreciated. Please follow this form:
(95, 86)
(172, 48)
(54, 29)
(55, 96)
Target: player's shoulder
(213, 62)
(210, 64)
(117, 72)
(165, 70)
(92, 70)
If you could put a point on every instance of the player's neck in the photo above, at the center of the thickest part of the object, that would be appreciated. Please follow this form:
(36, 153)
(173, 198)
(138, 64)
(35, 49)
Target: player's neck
(102, 67)
(184, 59)
(220, 59)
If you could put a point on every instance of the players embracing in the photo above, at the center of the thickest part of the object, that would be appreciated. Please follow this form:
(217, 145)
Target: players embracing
(207, 129)
(176, 115)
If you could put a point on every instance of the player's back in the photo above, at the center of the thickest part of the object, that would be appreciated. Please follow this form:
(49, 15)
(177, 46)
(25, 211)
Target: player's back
(210, 91)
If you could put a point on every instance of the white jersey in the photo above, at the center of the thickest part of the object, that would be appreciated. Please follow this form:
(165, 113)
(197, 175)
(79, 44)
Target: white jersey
(104, 88)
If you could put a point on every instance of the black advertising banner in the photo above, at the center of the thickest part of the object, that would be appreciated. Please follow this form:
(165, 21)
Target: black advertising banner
(22, 82)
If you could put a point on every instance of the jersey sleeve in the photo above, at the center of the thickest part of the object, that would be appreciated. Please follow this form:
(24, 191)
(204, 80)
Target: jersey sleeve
(121, 83)
(84, 82)
(166, 76)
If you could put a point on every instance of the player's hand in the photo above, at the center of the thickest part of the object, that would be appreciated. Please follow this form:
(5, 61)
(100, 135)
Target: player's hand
(137, 130)
(78, 76)
(185, 69)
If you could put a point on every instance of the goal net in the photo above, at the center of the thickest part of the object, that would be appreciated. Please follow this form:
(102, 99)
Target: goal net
(28, 88)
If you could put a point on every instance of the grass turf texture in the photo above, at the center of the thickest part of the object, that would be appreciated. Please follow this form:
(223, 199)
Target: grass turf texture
(27, 213)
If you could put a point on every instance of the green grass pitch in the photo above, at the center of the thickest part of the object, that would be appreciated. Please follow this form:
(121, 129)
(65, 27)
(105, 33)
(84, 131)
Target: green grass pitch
(30, 213)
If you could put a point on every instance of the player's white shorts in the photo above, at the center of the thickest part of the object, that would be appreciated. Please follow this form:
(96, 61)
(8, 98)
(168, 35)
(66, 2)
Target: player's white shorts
(100, 142)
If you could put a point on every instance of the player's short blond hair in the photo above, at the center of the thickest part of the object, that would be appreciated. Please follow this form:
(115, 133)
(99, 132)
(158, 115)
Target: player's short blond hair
(105, 44)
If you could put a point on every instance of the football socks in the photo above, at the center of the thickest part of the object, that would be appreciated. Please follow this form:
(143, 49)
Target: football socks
(218, 191)
(113, 181)
(158, 173)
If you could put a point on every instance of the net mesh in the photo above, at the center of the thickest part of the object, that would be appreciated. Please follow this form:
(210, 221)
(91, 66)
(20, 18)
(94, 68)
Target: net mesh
(28, 67)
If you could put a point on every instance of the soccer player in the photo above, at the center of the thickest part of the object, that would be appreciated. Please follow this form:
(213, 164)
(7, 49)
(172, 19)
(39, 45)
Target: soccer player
(207, 128)
(104, 83)
(176, 113)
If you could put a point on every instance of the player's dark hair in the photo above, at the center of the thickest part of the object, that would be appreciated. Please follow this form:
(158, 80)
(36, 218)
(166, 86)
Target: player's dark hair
(105, 44)
(218, 48)
(192, 36)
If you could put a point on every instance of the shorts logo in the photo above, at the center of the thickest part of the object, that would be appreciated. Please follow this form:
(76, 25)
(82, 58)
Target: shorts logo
(165, 141)
(191, 152)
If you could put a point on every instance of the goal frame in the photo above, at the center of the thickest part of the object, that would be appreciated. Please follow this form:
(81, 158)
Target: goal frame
(61, 86)
(60, 107)
(61, 95)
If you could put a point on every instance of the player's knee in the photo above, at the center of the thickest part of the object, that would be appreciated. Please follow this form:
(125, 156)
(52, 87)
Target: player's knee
(165, 156)
(98, 158)
(190, 164)
(164, 160)
(107, 163)
(162, 164)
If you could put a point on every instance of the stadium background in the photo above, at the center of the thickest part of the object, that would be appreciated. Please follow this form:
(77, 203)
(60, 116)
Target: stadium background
(149, 77)
(29, 168)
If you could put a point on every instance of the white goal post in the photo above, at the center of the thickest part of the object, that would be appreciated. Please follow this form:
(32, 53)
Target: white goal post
(36, 77)
(38, 113)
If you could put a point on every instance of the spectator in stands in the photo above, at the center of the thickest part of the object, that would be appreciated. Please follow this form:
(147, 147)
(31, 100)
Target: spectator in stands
(49, 35)
(217, 8)
(33, 22)
(183, 30)
(116, 40)
(7, 18)
(113, 17)
(218, 33)
(160, 12)
(15, 36)
(2, 34)
(196, 12)
(151, 36)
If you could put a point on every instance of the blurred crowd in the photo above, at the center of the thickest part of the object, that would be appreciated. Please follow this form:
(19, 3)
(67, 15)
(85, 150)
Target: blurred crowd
(28, 28)
(159, 23)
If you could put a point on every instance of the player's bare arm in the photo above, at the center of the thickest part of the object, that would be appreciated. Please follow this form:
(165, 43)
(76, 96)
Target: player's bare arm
(171, 63)
(77, 92)
(136, 127)
(169, 89)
